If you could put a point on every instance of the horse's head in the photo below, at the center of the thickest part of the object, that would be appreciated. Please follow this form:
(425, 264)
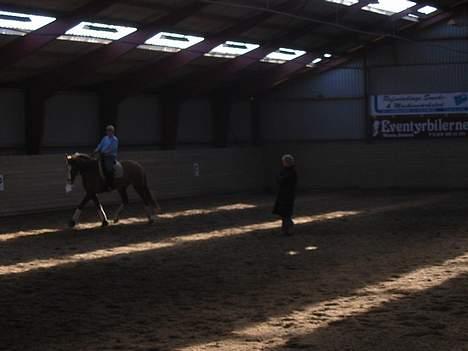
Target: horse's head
(75, 163)
(73, 167)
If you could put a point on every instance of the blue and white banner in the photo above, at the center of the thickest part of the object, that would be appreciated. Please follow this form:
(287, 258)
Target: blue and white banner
(419, 104)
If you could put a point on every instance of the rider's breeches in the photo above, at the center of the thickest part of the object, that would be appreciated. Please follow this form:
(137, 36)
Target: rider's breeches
(108, 163)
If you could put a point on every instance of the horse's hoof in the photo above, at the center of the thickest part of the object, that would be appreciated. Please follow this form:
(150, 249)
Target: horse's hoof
(71, 224)
(104, 224)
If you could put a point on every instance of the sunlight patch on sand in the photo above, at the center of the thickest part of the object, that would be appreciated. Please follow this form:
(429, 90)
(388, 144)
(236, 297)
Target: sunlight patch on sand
(315, 316)
(197, 237)
(27, 233)
(132, 220)
(311, 248)
(193, 212)
(187, 213)
(170, 242)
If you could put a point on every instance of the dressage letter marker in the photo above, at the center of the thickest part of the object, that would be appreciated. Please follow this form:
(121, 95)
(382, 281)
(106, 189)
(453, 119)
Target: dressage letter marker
(196, 169)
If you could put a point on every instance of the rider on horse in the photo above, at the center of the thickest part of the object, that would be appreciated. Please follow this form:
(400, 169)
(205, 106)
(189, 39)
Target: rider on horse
(108, 148)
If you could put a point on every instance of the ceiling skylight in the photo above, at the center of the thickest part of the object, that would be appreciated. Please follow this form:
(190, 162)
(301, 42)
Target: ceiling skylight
(389, 7)
(231, 49)
(344, 2)
(283, 55)
(315, 62)
(170, 42)
(97, 32)
(21, 23)
(427, 10)
(412, 17)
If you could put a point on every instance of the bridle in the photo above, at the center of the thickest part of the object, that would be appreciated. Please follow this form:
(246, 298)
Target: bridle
(68, 168)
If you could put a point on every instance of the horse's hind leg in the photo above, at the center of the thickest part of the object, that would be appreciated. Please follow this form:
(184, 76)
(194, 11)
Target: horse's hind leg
(76, 216)
(124, 196)
(143, 192)
(101, 212)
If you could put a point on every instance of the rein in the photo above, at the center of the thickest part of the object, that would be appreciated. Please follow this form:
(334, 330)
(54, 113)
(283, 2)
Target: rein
(68, 167)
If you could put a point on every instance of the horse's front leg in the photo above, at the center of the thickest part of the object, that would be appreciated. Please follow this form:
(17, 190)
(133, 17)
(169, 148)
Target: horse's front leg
(76, 216)
(101, 212)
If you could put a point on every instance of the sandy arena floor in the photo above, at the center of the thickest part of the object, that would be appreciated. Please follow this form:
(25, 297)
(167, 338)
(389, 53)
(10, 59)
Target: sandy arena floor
(373, 271)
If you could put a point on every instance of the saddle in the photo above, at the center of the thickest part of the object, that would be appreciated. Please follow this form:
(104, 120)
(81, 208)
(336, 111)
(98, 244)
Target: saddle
(118, 170)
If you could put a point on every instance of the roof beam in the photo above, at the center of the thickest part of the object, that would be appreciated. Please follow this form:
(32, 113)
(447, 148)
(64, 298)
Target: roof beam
(74, 72)
(135, 82)
(281, 74)
(275, 76)
(199, 83)
(31, 42)
(410, 27)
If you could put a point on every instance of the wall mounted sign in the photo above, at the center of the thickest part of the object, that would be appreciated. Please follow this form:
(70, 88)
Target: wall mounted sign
(419, 104)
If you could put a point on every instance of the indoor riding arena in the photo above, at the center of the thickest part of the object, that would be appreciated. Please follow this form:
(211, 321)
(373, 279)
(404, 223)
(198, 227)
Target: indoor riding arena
(234, 175)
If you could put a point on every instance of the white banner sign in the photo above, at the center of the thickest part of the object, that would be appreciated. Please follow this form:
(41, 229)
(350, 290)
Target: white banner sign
(2, 183)
(419, 104)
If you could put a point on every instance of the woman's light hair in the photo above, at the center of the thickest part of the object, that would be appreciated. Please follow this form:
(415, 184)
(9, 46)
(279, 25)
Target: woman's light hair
(288, 159)
(110, 128)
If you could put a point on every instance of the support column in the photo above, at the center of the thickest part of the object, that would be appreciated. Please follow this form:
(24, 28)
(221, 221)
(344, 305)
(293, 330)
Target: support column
(255, 121)
(108, 111)
(368, 119)
(170, 108)
(221, 107)
(34, 120)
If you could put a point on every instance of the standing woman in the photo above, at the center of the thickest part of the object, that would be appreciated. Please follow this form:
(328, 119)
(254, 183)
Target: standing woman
(284, 205)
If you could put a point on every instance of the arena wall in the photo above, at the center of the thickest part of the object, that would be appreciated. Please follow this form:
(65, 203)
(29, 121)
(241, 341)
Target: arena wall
(429, 164)
(71, 122)
(36, 183)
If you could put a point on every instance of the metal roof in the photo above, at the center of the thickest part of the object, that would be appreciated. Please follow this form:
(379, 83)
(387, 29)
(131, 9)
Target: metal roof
(58, 56)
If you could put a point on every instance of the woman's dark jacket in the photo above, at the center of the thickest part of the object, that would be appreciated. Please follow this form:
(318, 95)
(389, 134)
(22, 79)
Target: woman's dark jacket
(287, 181)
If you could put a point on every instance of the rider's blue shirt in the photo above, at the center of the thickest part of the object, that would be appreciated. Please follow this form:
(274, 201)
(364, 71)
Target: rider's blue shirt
(109, 146)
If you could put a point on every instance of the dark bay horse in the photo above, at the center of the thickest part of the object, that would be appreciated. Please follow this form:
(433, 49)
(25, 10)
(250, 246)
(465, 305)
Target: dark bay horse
(94, 184)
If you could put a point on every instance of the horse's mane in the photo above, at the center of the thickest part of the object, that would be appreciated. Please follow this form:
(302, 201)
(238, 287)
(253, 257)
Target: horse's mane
(78, 155)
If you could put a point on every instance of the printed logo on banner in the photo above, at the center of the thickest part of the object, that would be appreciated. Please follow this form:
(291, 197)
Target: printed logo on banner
(420, 128)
